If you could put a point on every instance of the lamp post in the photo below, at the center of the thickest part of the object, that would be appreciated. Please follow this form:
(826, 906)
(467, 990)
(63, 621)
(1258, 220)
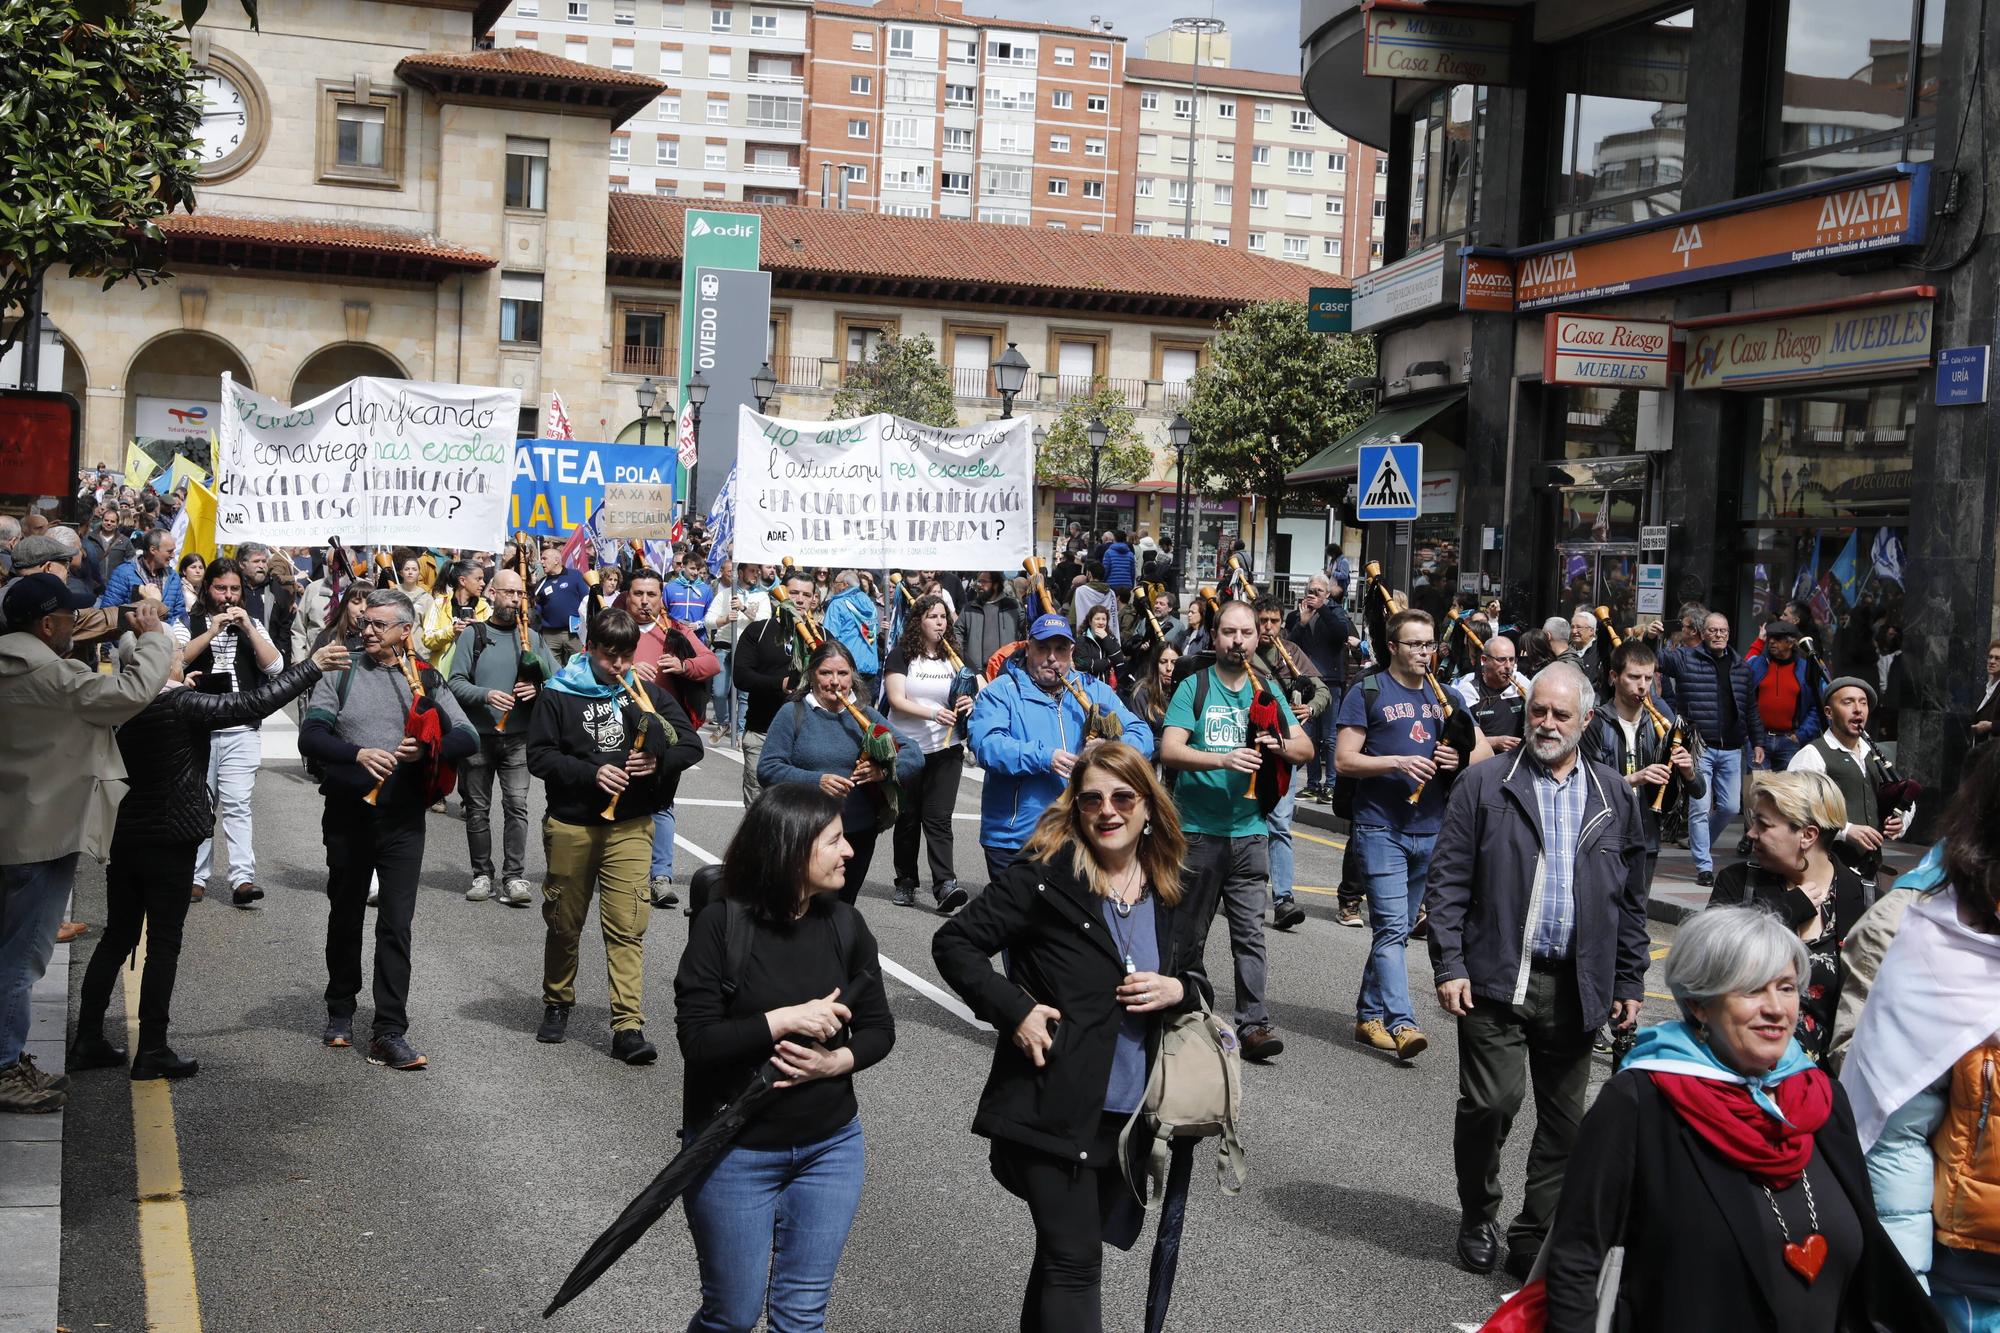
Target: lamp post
(1197, 28)
(1180, 434)
(1098, 433)
(697, 392)
(646, 393)
(1010, 376)
(762, 386)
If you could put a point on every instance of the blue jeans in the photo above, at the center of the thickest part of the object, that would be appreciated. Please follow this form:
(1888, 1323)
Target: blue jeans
(1778, 752)
(729, 701)
(1280, 827)
(1397, 866)
(1708, 816)
(663, 843)
(1325, 731)
(770, 1225)
(32, 899)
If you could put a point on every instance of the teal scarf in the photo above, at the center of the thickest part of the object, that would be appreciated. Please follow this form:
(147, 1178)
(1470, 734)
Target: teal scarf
(1673, 1048)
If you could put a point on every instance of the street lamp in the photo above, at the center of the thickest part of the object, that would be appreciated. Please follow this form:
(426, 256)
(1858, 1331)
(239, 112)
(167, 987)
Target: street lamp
(1196, 28)
(697, 392)
(1180, 434)
(1010, 376)
(1098, 433)
(646, 393)
(762, 385)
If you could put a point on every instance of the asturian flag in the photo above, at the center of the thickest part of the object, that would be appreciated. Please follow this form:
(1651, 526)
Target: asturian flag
(1886, 556)
(559, 427)
(722, 525)
(685, 435)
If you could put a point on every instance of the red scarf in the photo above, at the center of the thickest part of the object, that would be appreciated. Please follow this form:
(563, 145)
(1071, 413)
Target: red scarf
(1768, 1150)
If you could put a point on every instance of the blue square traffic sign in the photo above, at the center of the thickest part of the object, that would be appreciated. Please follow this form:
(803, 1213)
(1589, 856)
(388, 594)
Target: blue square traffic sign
(1391, 477)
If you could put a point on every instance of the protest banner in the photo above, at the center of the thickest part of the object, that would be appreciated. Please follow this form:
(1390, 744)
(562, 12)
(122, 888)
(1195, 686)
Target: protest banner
(637, 509)
(881, 491)
(373, 462)
(559, 483)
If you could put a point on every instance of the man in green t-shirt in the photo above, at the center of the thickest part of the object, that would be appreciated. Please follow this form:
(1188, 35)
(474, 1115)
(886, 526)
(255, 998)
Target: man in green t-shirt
(1215, 751)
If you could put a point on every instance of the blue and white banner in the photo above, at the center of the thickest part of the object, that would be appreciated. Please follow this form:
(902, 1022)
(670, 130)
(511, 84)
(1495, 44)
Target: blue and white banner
(560, 483)
(722, 526)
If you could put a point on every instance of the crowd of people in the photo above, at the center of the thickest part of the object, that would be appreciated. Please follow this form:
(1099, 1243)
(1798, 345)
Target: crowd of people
(1144, 756)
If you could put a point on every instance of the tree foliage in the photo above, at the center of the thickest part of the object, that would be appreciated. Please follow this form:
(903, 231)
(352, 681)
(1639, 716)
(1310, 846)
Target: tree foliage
(904, 377)
(1271, 396)
(97, 139)
(1065, 455)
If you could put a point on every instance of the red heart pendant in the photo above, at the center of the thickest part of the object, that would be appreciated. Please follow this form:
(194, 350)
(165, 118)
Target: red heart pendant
(1807, 1257)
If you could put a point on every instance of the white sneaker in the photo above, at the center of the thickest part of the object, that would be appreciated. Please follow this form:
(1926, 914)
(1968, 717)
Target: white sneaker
(517, 893)
(481, 890)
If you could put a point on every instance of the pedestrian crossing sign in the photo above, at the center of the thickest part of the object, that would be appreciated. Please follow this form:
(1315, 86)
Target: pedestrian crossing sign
(1391, 475)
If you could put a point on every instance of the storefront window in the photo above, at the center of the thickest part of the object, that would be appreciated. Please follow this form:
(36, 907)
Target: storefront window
(1622, 141)
(1597, 503)
(1860, 87)
(1604, 422)
(1445, 138)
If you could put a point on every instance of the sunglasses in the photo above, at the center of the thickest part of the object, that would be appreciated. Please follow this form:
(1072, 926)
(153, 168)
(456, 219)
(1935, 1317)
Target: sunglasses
(1090, 802)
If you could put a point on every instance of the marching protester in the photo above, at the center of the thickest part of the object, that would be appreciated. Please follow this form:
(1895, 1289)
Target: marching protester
(1153, 684)
(460, 602)
(410, 579)
(1712, 691)
(1028, 728)
(1098, 950)
(61, 779)
(343, 627)
(1319, 625)
(379, 780)
(782, 972)
(1724, 1167)
(149, 573)
(608, 744)
(1391, 743)
(1784, 690)
(496, 680)
(168, 811)
(1099, 654)
(1635, 738)
(1794, 818)
(1496, 694)
(992, 619)
(1844, 753)
(686, 596)
(1285, 664)
(231, 653)
(739, 602)
(1225, 734)
(767, 665)
(829, 737)
(193, 568)
(1538, 938)
(265, 596)
(917, 680)
(672, 655)
(559, 597)
(854, 621)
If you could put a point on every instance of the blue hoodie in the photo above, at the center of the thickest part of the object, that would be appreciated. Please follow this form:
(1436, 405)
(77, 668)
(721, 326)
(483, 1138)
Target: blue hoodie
(851, 617)
(1015, 729)
(1120, 565)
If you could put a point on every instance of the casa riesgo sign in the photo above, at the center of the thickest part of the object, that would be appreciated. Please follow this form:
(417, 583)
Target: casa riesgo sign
(1855, 342)
(1622, 353)
(1411, 41)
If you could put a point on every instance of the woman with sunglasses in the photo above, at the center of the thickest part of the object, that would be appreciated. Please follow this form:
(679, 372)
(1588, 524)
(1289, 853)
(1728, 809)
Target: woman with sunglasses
(1086, 918)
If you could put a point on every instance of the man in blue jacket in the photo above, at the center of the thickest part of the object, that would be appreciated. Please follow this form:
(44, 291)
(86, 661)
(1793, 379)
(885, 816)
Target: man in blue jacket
(852, 617)
(1027, 729)
(1121, 567)
(1786, 699)
(152, 567)
(1712, 690)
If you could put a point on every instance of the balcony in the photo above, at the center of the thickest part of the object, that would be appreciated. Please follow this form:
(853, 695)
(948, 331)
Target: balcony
(973, 382)
(779, 175)
(777, 80)
(641, 359)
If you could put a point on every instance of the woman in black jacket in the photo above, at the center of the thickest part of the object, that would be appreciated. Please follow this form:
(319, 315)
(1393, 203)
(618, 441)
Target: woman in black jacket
(1095, 953)
(165, 816)
(799, 987)
(1098, 650)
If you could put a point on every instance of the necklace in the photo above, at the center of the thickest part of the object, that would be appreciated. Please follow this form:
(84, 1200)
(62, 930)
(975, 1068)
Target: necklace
(1122, 911)
(1805, 1257)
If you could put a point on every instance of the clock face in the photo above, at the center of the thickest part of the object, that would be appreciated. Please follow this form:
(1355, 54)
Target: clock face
(225, 119)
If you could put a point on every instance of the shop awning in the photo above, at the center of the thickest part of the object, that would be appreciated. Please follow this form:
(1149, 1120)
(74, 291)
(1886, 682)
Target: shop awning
(1394, 423)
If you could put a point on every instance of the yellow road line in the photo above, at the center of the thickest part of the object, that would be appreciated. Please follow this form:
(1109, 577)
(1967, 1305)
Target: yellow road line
(166, 1252)
(1339, 844)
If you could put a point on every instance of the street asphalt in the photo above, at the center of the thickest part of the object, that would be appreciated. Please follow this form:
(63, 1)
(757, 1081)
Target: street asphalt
(324, 1193)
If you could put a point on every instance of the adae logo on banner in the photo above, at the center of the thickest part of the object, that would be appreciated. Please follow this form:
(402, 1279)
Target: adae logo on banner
(1385, 471)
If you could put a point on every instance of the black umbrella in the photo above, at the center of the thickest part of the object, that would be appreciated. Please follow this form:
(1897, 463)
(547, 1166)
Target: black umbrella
(1167, 1244)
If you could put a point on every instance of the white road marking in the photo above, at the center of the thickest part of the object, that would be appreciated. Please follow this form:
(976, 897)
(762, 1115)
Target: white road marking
(715, 803)
(975, 774)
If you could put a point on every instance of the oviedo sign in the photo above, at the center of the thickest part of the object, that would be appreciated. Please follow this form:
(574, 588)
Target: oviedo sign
(1856, 342)
(1622, 353)
(1416, 41)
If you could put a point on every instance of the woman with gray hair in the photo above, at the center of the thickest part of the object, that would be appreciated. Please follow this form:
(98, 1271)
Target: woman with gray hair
(1717, 1183)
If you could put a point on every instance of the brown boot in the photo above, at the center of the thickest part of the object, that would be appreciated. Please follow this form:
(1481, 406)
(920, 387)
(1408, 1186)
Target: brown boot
(1410, 1043)
(70, 930)
(1373, 1033)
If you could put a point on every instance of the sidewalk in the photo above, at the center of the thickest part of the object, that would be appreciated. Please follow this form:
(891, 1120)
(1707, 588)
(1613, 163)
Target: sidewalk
(1675, 896)
(31, 1148)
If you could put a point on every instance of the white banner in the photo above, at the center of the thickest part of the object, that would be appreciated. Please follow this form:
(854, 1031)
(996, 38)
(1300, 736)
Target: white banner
(372, 462)
(878, 492)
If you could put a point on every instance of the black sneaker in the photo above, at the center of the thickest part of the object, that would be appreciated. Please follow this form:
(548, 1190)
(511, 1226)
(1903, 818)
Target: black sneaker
(905, 894)
(631, 1046)
(1287, 913)
(396, 1052)
(1705, 878)
(950, 897)
(91, 1051)
(160, 1062)
(339, 1031)
(555, 1022)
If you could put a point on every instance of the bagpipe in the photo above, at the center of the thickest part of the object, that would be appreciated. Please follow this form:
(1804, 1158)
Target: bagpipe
(1273, 777)
(1608, 641)
(1457, 730)
(1239, 578)
(529, 670)
(424, 724)
(1292, 678)
(1676, 737)
(1098, 725)
(1894, 794)
(1038, 586)
(964, 681)
(1378, 604)
(649, 722)
(878, 748)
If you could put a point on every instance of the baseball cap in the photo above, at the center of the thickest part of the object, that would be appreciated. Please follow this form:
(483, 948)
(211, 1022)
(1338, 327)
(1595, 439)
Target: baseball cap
(39, 595)
(1051, 626)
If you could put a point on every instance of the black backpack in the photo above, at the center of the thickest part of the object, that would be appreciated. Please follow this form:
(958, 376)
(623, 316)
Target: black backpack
(1343, 784)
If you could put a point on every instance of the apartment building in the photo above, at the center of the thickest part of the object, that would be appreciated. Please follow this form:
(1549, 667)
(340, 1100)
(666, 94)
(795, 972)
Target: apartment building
(1267, 175)
(926, 111)
(731, 121)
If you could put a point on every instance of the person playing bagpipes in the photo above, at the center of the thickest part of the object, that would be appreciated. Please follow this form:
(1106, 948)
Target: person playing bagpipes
(1881, 805)
(1638, 736)
(387, 736)
(770, 661)
(672, 653)
(1233, 745)
(609, 745)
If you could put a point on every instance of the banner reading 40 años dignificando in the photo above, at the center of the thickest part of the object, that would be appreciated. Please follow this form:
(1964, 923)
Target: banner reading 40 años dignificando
(373, 462)
(880, 492)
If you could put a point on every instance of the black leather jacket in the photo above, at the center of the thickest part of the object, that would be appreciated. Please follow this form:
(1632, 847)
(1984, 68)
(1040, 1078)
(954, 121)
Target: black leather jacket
(165, 749)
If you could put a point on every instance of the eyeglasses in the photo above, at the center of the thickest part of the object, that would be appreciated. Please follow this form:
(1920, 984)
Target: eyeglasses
(381, 626)
(1090, 802)
(1417, 645)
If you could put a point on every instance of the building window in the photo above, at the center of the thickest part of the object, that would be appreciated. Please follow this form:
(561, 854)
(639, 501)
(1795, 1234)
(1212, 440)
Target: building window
(862, 41)
(1219, 235)
(1058, 143)
(666, 189)
(623, 13)
(1177, 193)
(1259, 197)
(718, 111)
(856, 173)
(1854, 95)
(1330, 247)
(961, 51)
(861, 85)
(763, 25)
(1062, 99)
(1295, 248)
(1149, 143)
(1620, 145)
(1260, 155)
(1381, 207)
(528, 174)
(1009, 181)
(670, 63)
(960, 94)
(1298, 162)
(1149, 100)
(1224, 152)
(1256, 243)
(1142, 229)
(1001, 138)
(360, 136)
(903, 42)
(1093, 189)
(715, 157)
(621, 148)
(621, 57)
(1381, 167)
(907, 210)
(1078, 358)
(859, 337)
(1298, 205)
(1005, 217)
(673, 14)
(1058, 186)
(957, 139)
(906, 176)
(579, 11)
(1225, 195)
(1262, 115)
(666, 152)
(773, 113)
(668, 107)
(1143, 187)
(528, 9)
(1093, 148)
(1100, 60)
(900, 131)
(1065, 55)
(1302, 121)
(1337, 163)
(857, 129)
(718, 64)
(1059, 226)
(955, 182)
(721, 18)
(1226, 110)
(1444, 185)
(1336, 206)
(520, 307)
(1183, 108)
(1096, 103)
(1001, 52)
(646, 333)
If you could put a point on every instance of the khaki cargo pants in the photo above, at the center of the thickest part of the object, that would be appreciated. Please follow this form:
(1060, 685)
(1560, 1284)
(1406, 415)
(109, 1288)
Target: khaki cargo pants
(614, 861)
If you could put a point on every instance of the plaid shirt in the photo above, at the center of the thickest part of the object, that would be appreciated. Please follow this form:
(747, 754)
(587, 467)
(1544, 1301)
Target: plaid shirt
(1561, 806)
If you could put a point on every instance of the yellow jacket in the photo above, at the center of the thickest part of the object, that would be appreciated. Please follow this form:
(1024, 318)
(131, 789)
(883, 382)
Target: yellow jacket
(438, 632)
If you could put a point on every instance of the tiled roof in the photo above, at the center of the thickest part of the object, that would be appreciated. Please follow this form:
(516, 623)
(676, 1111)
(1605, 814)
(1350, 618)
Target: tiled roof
(887, 13)
(1212, 76)
(817, 249)
(523, 74)
(317, 247)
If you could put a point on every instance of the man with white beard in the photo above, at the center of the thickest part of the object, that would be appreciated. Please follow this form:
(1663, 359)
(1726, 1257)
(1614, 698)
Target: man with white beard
(1538, 936)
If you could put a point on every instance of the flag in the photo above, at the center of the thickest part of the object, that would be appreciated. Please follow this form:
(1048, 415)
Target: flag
(559, 427)
(194, 526)
(685, 434)
(139, 465)
(1845, 568)
(183, 469)
(1886, 556)
(659, 554)
(1808, 578)
(580, 551)
(722, 525)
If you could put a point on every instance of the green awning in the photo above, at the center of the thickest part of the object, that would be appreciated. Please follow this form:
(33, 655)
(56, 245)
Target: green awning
(1391, 424)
